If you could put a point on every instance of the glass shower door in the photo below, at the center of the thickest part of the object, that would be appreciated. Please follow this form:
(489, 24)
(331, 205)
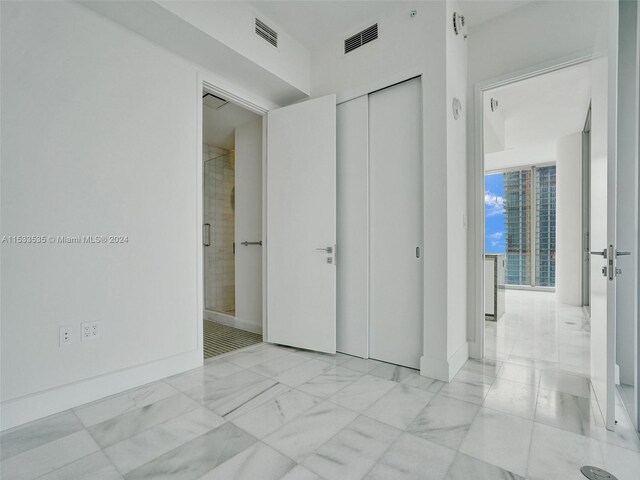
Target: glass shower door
(219, 234)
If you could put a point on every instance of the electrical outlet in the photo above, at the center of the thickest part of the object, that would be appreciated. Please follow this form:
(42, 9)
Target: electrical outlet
(66, 335)
(90, 330)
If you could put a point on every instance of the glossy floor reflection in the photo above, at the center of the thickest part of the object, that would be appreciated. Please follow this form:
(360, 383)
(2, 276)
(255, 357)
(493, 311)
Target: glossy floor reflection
(536, 331)
(269, 412)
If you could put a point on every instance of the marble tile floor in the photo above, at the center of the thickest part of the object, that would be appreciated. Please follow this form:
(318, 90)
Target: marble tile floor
(269, 412)
(537, 331)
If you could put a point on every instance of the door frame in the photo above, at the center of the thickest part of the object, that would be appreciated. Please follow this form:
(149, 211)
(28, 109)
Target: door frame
(476, 347)
(209, 84)
(586, 213)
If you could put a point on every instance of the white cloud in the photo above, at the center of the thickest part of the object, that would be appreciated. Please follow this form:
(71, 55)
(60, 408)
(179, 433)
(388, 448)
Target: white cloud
(496, 235)
(494, 204)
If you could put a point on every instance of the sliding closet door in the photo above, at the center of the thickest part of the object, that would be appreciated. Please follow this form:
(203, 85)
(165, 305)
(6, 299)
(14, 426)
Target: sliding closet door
(396, 224)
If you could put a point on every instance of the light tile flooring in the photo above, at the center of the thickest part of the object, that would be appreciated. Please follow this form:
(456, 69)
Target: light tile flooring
(269, 412)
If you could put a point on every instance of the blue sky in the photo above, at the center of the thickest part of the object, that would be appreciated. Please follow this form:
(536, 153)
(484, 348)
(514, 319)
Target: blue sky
(494, 235)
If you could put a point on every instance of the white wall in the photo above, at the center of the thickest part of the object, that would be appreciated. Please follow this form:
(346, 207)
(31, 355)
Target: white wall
(456, 50)
(99, 137)
(232, 23)
(408, 47)
(529, 36)
(248, 214)
(569, 220)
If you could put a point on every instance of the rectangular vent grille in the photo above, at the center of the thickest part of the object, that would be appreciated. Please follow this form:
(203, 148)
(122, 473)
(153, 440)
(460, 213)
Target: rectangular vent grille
(267, 33)
(359, 39)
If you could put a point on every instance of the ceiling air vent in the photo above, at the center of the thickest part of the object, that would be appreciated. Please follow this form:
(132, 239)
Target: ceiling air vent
(266, 32)
(365, 36)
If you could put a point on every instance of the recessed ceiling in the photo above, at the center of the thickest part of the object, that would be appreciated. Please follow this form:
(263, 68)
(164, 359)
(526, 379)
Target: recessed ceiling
(533, 114)
(220, 120)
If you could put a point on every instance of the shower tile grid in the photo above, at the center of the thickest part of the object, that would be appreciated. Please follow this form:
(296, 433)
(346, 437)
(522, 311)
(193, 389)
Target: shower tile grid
(270, 412)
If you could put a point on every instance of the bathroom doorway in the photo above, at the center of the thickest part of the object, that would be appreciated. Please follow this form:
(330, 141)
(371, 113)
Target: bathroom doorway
(231, 226)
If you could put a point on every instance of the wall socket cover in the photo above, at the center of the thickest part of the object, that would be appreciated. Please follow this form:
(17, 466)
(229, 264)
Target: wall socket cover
(89, 330)
(65, 335)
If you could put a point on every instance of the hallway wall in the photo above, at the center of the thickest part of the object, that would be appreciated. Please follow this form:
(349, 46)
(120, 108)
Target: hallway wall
(100, 137)
(569, 220)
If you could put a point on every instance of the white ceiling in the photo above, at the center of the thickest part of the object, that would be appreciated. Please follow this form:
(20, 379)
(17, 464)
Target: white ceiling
(479, 11)
(220, 121)
(312, 22)
(536, 113)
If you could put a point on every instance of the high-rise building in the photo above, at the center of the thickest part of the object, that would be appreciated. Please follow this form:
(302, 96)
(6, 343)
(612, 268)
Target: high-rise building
(530, 226)
(545, 213)
(517, 206)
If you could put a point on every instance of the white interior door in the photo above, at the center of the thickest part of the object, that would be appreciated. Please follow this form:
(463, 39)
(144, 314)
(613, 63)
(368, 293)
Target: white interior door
(396, 224)
(301, 225)
(248, 226)
(603, 236)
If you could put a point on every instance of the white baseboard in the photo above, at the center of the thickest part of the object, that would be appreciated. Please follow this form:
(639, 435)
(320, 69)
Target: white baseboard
(458, 359)
(232, 321)
(444, 370)
(474, 350)
(42, 404)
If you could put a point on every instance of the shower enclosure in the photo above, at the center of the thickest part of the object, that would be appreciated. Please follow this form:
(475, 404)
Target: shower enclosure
(219, 235)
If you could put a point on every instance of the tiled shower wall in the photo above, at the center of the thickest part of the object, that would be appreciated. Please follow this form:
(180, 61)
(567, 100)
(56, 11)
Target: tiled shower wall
(219, 274)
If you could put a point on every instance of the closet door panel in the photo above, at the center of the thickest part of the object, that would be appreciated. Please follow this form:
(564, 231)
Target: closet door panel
(396, 224)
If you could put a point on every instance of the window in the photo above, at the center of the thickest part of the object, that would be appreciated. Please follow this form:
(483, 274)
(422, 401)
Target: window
(520, 221)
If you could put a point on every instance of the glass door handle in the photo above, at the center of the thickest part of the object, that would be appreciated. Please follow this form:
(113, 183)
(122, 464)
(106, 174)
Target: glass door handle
(602, 253)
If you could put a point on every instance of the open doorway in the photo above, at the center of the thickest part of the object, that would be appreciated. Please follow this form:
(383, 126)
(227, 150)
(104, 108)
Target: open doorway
(232, 226)
(533, 222)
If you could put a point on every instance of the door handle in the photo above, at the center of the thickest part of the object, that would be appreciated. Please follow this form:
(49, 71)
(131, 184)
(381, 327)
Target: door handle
(206, 235)
(620, 254)
(602, 253)
(246, 244)
(325, 249)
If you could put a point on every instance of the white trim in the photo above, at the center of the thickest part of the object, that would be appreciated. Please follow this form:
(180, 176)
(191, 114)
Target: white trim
(526, 166)
(476, 348)
(444, 370)
(42, 404)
